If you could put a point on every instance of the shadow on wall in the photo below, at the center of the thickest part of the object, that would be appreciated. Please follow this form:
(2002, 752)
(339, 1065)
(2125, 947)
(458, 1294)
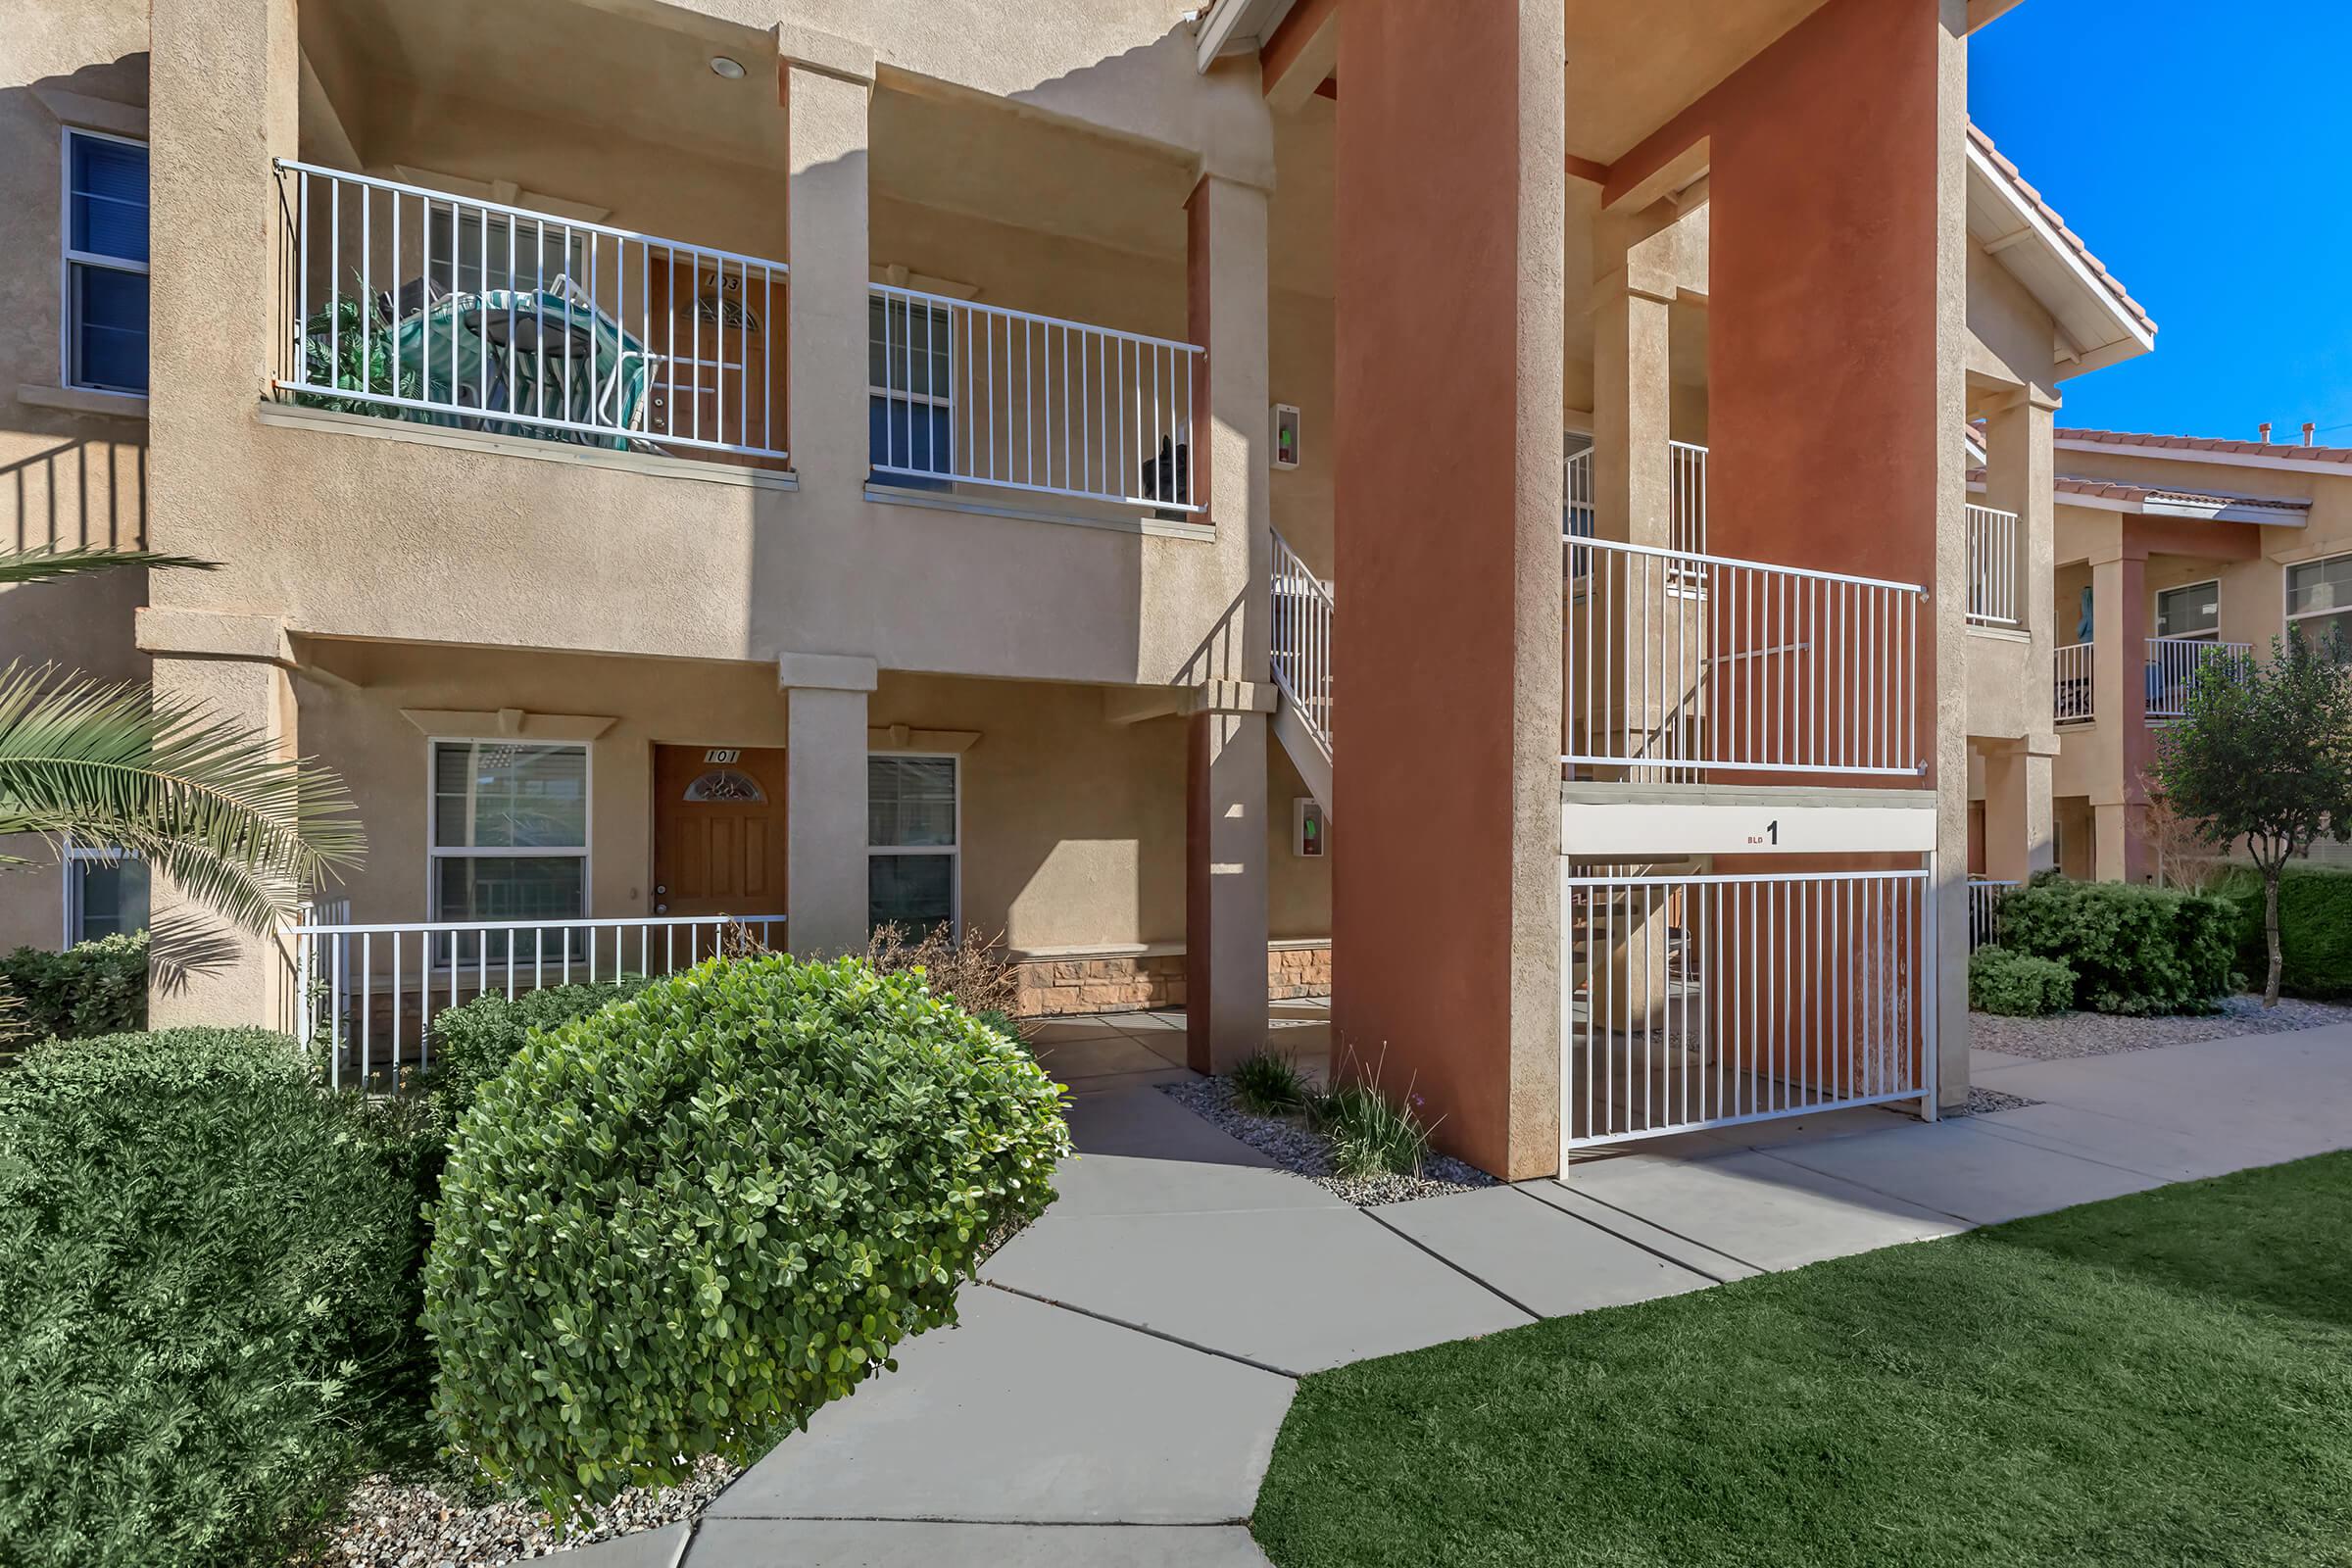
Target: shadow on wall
(76, 493)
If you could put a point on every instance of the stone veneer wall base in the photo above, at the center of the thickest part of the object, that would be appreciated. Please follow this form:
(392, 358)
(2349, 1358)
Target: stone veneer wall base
(1054, 987)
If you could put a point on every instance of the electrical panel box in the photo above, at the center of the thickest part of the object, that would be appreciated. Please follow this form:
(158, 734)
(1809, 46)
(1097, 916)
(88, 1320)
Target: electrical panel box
(1310, 836)
(1286, 436)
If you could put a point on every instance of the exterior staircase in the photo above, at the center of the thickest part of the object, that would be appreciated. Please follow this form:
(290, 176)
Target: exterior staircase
(1303, 669)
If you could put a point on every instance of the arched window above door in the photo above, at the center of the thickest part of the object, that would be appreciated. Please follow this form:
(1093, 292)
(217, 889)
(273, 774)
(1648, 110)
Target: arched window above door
(725, 784)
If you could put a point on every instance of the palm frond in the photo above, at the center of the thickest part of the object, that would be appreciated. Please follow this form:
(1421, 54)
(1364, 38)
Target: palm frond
(43, 564)
(208, 803)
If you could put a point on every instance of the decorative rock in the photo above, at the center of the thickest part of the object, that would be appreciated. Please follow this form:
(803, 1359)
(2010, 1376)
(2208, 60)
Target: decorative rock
(1307, 1153)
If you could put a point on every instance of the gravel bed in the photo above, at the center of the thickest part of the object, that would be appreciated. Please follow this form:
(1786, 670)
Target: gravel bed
(424, 1524)
(2096, 1034)
(1983, 1101)
(1307, 1153)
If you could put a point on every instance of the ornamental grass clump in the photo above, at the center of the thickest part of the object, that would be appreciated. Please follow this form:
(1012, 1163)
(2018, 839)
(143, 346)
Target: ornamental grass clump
(1267, 1082)
(681, 1225)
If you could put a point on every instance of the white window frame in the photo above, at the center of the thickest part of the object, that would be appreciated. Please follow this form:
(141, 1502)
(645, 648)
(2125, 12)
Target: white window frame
(2291, 617)
(953, 851)
(435, 853)
(69, 257)
(71, 898)
(2213, 634)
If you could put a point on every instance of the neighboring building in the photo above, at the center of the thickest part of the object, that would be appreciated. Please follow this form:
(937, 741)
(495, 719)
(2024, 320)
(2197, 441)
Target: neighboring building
(2174, 552)
(948, 464)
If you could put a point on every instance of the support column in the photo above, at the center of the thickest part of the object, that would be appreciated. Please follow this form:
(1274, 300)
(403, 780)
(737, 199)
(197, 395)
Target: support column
(2018, 840)
(1225, 920)
(827, 85)
(2119, 608)
(825, 807)
(1448, 945)
(209, 971)
(1225, 917)
(1632, 413)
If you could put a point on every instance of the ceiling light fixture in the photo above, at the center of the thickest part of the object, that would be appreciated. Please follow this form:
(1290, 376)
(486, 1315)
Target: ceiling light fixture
(721, 66)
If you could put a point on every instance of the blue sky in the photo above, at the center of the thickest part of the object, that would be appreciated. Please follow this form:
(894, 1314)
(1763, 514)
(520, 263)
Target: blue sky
(2202, 151)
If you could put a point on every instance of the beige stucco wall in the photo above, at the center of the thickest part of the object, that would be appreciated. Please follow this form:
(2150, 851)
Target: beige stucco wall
(67, 478)
(1073, 825)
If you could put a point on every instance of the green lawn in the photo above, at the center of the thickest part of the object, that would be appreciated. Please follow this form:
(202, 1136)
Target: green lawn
(2163, 1379)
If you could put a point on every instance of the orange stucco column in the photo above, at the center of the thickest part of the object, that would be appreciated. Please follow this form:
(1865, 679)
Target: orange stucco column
(1449, 176)
(2118, 609)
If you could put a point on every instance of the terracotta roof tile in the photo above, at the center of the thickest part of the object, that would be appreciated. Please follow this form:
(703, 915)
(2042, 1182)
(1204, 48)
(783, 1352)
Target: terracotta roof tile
(2285, 450)
(2098, 269)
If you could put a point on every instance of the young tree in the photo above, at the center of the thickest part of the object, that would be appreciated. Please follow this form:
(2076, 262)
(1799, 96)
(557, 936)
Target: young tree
(2264, 755)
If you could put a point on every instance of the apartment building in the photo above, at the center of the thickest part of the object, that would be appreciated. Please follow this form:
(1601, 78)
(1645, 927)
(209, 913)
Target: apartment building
(883, 461)
(2176, 553)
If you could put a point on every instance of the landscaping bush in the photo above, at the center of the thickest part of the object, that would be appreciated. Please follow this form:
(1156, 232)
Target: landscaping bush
(1370, 1135)
(678, 1226)
(92, 987)
(2314, 928)
(473, 1043)
(2133, 950)
(971, 970)
(2018, 985)
(207, 1296)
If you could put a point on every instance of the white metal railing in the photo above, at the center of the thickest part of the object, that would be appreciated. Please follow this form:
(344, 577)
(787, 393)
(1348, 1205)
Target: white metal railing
(365, 995)
(2177, 664)
(1984, 908)
(1302, 615)
(1991, 566)
(1686, 496)
(2072, 698)
(1707, 1001)
(413, 304)
(975, 394)
(1678, 662)
(1578, 516)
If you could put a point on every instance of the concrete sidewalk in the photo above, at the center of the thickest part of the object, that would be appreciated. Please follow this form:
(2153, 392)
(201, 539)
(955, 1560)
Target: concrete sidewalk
(1114, 1390)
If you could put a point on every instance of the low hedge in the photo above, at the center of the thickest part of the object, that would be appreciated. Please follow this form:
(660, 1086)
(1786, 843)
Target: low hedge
(681, 1224)
(92, 987)
(2133, 950)
(2018, 985)
(207, 1296)
(2315, 929)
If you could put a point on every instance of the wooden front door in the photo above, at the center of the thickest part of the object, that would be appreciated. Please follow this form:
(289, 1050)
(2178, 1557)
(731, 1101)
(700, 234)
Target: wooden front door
(719, 830)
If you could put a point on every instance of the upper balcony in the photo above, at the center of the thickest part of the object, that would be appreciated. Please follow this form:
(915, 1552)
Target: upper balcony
(637, 382)
(411, 304)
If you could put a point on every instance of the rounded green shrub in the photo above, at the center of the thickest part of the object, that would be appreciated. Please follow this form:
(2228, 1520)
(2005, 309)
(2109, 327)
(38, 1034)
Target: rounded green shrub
(207, 1296)
(681, 1225)
(2133, 950)
(2018, 984)
(472, 1043)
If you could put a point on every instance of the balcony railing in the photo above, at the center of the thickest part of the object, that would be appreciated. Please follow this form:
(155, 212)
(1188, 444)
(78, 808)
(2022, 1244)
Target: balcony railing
(1984, 896)
(365, 995)
(1686, 496)
(2072, 700)
(1991, 566)
(1303, 616)
(960, 393)
(1680, 662)
(411, 303)
(2177, 664)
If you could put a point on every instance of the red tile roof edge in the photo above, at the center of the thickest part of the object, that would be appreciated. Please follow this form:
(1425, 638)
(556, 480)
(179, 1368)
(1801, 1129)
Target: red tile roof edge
(2098, 269)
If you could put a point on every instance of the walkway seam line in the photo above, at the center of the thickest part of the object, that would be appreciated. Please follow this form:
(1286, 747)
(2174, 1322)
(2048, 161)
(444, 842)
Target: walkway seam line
(1242, 1522)
(1491, 1289)
(1706, 1247)
(1144, 1329)
(694, 1525)
(1989, 1131)
(1635, 1243)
